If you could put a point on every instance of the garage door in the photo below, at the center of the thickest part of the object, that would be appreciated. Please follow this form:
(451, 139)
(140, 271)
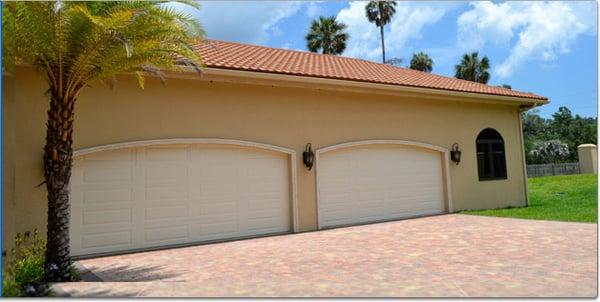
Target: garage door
(143, 197)
(378, 182)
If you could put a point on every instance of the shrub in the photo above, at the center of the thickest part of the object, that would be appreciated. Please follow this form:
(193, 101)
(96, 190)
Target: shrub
(10, 288)
(552, 151)
(24, 275)
(74, 273)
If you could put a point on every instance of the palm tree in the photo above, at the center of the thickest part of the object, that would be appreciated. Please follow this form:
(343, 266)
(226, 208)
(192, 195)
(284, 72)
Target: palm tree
(381, 13)
(73, 45)
(472, 69)
(327, 35)
(421, 61)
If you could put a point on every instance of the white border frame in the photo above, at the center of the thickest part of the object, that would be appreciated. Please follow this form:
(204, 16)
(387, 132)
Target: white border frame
(445, 153)
(211, 141)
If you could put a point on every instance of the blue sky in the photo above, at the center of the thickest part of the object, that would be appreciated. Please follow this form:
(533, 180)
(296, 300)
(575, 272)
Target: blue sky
(549, 48)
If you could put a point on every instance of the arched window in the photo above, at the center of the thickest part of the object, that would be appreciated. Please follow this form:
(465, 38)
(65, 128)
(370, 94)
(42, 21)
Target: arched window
(491, 161)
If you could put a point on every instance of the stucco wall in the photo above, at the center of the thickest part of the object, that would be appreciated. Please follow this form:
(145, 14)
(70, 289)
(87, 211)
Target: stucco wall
(287, 117)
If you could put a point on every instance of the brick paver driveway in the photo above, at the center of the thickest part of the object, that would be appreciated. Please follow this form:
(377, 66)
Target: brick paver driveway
(449, 255)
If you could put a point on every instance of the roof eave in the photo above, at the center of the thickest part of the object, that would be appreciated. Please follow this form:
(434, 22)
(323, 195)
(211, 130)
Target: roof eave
(268, 78)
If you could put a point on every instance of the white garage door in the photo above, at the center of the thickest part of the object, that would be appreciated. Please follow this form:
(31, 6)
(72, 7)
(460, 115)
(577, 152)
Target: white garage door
(378, 182)
(144, 197)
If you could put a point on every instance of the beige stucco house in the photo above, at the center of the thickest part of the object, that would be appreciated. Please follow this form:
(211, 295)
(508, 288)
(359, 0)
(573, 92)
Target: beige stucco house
(219, 157)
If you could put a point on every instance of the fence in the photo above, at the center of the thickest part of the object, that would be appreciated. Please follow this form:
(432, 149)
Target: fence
(552, 169)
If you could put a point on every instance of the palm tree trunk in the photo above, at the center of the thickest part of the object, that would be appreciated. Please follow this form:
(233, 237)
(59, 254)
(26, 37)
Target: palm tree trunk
(58, 157)
(382, 44)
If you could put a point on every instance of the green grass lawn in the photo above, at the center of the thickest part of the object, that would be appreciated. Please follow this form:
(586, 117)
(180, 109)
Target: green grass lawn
(564, 198)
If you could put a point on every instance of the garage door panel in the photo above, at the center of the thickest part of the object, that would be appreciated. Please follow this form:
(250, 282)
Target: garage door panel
(335, 199)
(370, 194)
(166, 235)
(173, 154)
(332, 182)
(96, 230)
(167, 192)
(177, 194)
(104, 196)
(217, 170)
(264, 201)
(378, 182)
(261, 188)
(338, 214)
(257, 166)
(216, 189)
(216, 207)
(265, 204)
(415, 183)
(368, 210)
(106, 241)
(215, 230)
(107, 172)
(343, 222)
(264, 224)
(266, 213)
(164, 212)
(341, 206)
(163, 172)
(107, 216)
(416, 197)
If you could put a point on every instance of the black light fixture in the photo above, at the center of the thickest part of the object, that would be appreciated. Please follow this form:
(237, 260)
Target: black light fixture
(308, 156)
(455, 153)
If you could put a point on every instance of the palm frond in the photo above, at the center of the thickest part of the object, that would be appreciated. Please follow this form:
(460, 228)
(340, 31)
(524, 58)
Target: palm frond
(85, 42)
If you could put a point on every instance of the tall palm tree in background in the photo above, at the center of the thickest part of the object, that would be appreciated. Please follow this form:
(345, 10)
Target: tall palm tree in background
(75, 44)
(421, 61)
(381, 13)
(472, 69)
(327, 35)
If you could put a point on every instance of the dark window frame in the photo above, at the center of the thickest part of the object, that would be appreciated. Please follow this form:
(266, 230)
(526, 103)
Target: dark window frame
(491, 155)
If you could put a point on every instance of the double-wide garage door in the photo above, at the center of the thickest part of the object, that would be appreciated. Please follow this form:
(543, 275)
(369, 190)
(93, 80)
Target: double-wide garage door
(143, 197)
(378, 182)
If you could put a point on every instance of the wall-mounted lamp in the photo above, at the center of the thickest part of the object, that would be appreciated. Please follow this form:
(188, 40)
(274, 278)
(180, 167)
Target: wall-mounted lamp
(455, 153)
(308, 156)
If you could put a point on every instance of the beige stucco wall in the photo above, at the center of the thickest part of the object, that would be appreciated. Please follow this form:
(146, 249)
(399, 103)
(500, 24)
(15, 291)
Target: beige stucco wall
(283, 116)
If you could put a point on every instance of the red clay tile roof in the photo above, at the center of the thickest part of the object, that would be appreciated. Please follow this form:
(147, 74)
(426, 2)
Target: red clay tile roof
(230, 55)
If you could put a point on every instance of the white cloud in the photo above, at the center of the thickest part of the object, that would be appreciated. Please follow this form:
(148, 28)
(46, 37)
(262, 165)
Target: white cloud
(532, 30)
(314, 9)
(241, 21)
(407, 24)
(364, 36)
(487, 22)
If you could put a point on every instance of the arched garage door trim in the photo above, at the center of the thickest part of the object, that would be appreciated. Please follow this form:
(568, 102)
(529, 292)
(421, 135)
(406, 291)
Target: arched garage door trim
(213, 141)
(445, 162)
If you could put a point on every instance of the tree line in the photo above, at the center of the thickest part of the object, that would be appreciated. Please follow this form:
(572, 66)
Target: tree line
(555, 139)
